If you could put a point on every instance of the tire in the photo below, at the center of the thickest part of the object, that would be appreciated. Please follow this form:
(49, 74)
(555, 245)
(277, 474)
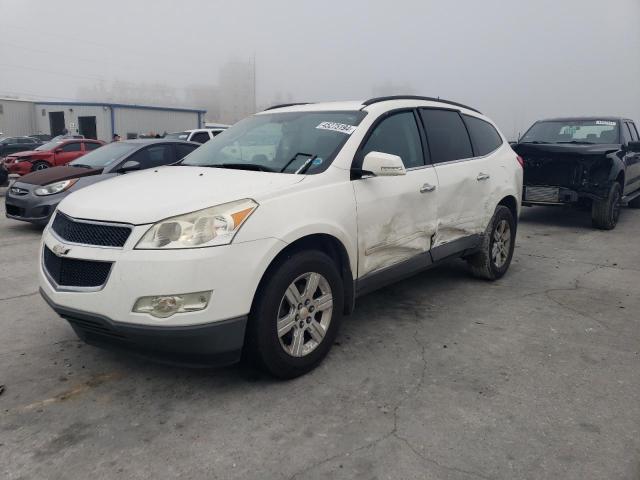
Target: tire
(306, 334)
(486, 263)
(39, 166)
(605, 213)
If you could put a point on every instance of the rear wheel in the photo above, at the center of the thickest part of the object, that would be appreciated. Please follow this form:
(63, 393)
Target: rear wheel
(494, 257)
(39, 166)
(605, 213)
(296, 315)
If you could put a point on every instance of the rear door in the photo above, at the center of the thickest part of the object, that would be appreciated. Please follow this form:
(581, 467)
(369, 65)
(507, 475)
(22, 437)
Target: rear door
(396, 215)
(67, 152)
(464, 181)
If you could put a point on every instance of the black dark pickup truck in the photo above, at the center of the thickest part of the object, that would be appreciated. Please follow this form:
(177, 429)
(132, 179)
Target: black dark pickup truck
(588, 161)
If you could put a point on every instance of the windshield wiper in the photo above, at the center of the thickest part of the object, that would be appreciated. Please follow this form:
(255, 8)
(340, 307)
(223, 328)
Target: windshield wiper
(81, 165)
(239, 166)
(579, 142)
(299, 154)
(305, 166)
(537, 142)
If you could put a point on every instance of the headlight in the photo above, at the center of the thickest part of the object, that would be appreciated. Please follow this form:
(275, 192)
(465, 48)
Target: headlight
(204, 228)
(55, 187)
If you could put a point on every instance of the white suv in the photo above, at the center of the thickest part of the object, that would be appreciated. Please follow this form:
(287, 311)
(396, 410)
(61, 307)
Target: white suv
(261, 239)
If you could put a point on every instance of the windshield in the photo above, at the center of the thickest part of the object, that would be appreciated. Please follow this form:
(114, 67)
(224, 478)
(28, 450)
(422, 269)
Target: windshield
(177, 135)
(574, 131)
(50, 145)
(297, 142)
(104, 156)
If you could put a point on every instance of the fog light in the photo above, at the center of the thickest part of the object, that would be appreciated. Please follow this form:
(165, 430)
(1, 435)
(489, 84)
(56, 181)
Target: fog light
(163, 306)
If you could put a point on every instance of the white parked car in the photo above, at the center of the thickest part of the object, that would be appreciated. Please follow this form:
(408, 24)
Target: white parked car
(262, 239)
(199, 135)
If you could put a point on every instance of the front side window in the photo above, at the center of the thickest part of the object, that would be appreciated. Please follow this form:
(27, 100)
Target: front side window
(446, 135)
(632, 131)
(183, 149)
(295, 142)
(484, 137)
(397, 135)
(25, 140)
(573, 131)
(91, 146)
(71, 147)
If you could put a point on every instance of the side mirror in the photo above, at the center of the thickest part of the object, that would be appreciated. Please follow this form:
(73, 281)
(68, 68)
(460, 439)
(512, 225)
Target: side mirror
(383, 165)
(633, 147)
(57, 150)
(129, 166)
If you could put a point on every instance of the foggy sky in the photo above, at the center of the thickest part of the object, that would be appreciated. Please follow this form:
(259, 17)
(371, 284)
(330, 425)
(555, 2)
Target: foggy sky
(515, 60)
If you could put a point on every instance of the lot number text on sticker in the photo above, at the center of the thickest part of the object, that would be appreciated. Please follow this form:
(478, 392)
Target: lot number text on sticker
(605, 122)
(337, 127)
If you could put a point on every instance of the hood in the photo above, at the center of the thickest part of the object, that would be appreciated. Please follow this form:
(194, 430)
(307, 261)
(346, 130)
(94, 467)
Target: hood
(31, 153)
(57, 174)
(565, 148)
(154, 194)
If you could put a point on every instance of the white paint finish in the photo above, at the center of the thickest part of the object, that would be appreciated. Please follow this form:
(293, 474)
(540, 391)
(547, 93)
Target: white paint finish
(380, 221)
(395, 220)
(152, 195)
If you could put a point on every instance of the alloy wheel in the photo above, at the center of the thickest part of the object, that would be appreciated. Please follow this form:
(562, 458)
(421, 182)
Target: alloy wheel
(501, 243)
(304, 314)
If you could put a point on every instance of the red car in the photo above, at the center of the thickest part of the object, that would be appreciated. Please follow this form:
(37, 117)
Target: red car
(51, 154)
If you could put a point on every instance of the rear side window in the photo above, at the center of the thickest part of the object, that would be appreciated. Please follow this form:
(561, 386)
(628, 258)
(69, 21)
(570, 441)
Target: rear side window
(484, 137)
(71, 147)
(91, 146)
(182, 150)
(201, 137)
(397, 135)
(446, 134)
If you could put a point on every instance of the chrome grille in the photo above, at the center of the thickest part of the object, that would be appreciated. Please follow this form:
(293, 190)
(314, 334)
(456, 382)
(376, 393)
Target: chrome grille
(542, 194)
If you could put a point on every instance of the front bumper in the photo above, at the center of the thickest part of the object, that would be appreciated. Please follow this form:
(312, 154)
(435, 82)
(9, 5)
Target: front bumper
(213, 344)
(20, 168)
(29, 207)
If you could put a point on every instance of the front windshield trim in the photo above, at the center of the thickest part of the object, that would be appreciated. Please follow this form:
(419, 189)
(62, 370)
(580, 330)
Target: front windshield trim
(227, 135)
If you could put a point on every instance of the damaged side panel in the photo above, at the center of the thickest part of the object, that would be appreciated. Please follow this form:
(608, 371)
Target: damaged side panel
(395, 221)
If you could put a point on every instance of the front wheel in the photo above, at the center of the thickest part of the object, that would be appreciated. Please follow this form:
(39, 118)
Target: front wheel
(494, 257)
(296, 315)
(605, 213)
(39, 166)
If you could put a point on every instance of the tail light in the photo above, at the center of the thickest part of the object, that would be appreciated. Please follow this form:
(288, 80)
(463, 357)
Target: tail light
(520, 160)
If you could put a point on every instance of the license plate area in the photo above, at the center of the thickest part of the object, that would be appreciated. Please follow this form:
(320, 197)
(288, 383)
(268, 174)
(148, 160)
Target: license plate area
(542, 194)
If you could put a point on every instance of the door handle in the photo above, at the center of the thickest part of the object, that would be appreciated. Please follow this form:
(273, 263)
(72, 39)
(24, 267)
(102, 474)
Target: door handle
(427, 187)
(483, 176)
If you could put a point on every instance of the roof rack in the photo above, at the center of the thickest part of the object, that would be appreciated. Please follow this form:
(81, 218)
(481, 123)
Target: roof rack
(371, 101)
(283, 105)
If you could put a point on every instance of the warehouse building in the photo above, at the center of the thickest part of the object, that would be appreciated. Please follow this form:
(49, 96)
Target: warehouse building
(94, 119)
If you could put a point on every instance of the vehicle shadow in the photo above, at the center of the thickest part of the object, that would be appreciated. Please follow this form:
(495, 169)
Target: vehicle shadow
(571, 217)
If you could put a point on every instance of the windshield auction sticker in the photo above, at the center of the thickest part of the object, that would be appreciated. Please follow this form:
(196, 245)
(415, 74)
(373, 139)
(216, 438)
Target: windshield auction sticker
(605, 122)
(337, 127)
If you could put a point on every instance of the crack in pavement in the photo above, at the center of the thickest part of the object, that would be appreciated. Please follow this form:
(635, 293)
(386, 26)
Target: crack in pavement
(19, 296)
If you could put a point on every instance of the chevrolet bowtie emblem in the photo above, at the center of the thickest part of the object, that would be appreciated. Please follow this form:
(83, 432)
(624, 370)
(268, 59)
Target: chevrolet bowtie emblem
(60, 250)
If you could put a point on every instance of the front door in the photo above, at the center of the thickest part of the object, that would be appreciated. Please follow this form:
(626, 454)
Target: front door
(68, 152)
(632, 159)
(396, 215)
